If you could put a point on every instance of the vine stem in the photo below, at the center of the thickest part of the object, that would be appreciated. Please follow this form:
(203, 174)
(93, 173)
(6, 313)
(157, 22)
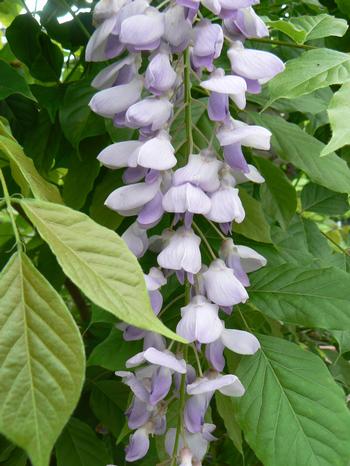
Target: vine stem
(10, 211)
(188, 108)
(283, 43)
(204, 239)
(344, 251)
(179, 426)
(77, 19)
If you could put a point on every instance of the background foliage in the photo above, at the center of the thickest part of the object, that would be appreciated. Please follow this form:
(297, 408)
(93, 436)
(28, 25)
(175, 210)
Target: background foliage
(72, 268)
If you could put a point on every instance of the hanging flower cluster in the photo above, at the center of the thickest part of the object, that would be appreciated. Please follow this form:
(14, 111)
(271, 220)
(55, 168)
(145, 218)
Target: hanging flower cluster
(169, 43)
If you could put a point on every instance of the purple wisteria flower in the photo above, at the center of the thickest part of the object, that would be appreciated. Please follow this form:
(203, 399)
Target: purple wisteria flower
(177, 191)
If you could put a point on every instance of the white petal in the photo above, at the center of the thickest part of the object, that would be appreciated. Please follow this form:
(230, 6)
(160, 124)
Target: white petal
(157, 153)
(165, 359)
(151, 112)
(117, 155)
(186, 198)
(239, 341)
(95, 49)
(253, 175)
(250, 259)
(132, 196)
(106, 78)
(225, 85)
(116, 99)
(226, 206)
(142, 29)
(235, 389)
(253, 136)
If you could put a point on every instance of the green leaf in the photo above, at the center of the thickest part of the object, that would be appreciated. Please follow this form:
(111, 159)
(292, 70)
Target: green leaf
(25, 173)
(78, 445)
(254, 225)
(105, 354)
(311, 298)
(314, 69)
(12, 82)
(108, 402)
(42, 360)
(339, 115)
(293, 413)
(344, 6)
(82, 172)
(35, 48)
(295, 146)
(304, 28)
(277, 192)
(76, 118)
(227, 411)
(98, 211)
(321, 200)
(98, 261)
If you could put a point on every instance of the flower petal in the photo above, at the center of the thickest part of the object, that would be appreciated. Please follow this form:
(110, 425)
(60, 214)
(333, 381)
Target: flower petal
(239, 341)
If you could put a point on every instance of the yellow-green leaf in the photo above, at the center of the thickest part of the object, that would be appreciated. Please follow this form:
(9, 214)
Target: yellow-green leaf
(98, 261)
(42, 360)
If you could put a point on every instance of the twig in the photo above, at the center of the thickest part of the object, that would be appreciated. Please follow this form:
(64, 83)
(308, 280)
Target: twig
(78, 299)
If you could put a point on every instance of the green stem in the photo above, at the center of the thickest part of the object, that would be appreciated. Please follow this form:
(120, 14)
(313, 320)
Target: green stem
(77, 19)
(172, 302)
(344, 251)
(179, 426)
(10, 211)
(188, 108)
(218, 231)
(283, 43)
(197, 360)
(204, 239)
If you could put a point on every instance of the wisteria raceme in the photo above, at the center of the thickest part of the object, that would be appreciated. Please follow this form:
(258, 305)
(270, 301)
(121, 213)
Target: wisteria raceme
(171, 42)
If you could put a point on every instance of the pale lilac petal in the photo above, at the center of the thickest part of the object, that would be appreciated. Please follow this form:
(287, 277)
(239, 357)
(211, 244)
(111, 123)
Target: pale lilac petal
(208, 43)
(254, 64)
(117, 155)
(177, 27)
(138, 445)
(198, 446)
(238, 132)
(138, 414)
(223, 383)
(95, 49)
(221, 285)
(132, 333)
(108, 76)
(182, 252)
(165, 359)
(185, 198)
(251, 175)
(156, 153)
(246, 23)
(134, 174)
(156, 299)
(239, 341)
(142, 30)
(161, 383)
(226, 206)
(135, 385)
(155, 279)
(200, 321)
(154, 340)
(136, 238)
(218, 106)
(160, 76)
(104, 9)
(150, 113)
(195, 409)
(152, 212)
(234, 157)
(132, 196)
(234, 86)
(201, 170)
(117, 99)
(214, 352)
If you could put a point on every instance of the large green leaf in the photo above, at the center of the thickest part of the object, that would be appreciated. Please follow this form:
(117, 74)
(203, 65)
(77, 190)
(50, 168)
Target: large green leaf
(76, 118)
(295, 146)
(304, 28)
(98, 261)
(79, 446)
(42, 360)
(313, 70)
(254, 225)
(339, 115)
(227, 411)
(25, 173)
(311, 298)
(321, 200)
(278, 194)
(35, 48)
(293, 413)
(12, 82)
